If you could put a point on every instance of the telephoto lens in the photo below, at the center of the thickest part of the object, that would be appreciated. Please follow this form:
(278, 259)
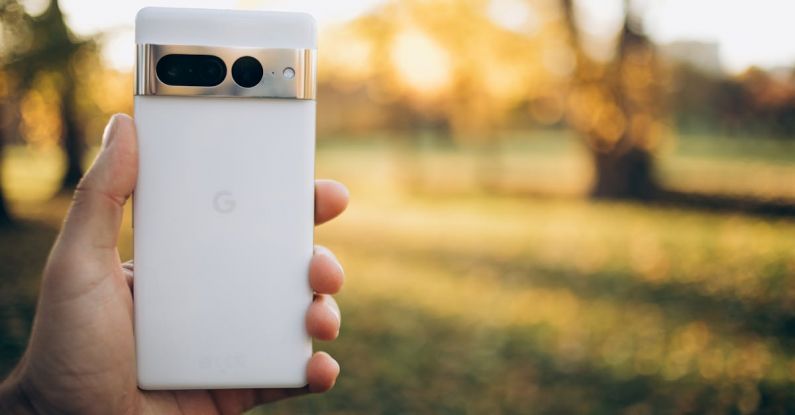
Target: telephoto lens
(191, 70)
(247, 71)
(211, 70)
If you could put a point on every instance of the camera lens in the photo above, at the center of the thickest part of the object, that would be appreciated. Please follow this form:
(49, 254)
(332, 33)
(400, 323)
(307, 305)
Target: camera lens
(191, 70)
(212, 69)
(247, 71)
(172, 72)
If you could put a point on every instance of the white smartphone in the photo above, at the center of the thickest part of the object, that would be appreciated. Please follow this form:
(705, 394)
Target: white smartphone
(224, 203)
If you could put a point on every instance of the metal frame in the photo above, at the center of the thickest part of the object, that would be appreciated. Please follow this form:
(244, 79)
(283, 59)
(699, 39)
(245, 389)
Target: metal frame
(272, 85)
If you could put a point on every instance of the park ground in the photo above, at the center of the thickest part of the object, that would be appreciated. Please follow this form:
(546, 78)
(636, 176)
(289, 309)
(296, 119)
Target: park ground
(483, 282)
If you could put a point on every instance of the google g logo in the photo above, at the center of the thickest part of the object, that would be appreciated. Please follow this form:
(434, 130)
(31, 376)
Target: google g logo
(223, 202)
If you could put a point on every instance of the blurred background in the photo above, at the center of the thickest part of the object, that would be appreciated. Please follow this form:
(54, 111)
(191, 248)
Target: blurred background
(559, 206)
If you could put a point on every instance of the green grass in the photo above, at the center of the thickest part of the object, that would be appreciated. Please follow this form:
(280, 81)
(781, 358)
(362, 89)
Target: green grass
(460, 302)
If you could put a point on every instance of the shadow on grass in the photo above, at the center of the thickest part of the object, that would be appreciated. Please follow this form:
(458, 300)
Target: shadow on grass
(765, 315)
(726, 203)
(24, 247)
(695, 201)
(399, 360)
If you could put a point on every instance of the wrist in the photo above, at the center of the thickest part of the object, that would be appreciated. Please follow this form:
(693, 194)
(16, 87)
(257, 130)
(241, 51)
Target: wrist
(13, 399)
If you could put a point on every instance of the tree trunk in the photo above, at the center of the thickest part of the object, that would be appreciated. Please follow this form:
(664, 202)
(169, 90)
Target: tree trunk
(625, 169)
(624, 176)
(5, 214)
(73, 145)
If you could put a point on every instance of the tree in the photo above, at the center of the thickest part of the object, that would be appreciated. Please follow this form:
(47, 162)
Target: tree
(53, 50)
(5, 214)
(12, 21)
(441, 66)
(616, 106)
(458, 66)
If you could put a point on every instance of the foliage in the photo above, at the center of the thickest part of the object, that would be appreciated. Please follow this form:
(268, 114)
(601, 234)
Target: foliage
(756, 102)
(445, 66)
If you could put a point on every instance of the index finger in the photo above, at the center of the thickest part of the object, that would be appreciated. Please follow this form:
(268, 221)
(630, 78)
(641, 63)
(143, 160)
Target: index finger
(331, 199)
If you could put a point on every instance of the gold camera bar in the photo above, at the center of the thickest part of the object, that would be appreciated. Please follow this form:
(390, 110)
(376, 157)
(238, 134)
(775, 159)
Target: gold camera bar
(274, 83)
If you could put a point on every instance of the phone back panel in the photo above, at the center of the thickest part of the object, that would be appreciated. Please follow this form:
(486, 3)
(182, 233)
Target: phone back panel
(223, 218)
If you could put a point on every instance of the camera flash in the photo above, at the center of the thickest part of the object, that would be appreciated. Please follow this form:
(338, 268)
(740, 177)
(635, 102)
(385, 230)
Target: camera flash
(289, 73)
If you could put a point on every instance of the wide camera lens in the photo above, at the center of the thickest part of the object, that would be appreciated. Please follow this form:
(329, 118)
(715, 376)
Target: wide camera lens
(191, 70)
(247, 71)
(172, 73)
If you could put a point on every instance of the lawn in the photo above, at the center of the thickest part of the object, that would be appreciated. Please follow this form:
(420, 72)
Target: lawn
(459, 300)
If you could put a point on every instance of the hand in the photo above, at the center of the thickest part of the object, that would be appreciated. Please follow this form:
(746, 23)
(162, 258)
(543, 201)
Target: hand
(81, 354)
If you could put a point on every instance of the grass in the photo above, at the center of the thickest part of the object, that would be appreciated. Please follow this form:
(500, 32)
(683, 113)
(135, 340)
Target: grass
(761, 168)
(516, 305)
(457, 301)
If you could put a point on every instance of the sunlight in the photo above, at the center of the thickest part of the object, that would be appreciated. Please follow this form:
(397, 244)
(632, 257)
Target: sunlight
(754, 42)
(515, 15)
(421, 62)
(346, 54)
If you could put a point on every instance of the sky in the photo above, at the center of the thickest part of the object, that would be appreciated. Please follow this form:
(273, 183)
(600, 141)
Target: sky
(748, 32)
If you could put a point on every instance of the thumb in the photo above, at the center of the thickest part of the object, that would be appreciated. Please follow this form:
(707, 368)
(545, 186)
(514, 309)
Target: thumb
(95, 216)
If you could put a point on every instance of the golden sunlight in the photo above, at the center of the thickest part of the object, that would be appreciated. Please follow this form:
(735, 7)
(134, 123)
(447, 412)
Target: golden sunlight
(421, 62)
(346, 54)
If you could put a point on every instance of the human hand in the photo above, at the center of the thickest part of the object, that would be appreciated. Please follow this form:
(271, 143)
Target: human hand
(81, 353)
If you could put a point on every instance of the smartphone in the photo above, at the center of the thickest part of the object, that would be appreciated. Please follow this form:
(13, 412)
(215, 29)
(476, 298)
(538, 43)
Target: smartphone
(223, 209)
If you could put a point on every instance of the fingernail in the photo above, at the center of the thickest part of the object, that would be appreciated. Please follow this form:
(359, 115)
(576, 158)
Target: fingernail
(336, 314)
(110, 132)
(322, 250)
(345, 190)
(339, 327)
